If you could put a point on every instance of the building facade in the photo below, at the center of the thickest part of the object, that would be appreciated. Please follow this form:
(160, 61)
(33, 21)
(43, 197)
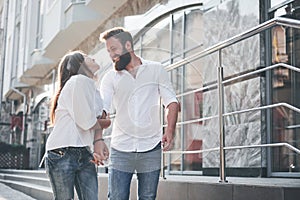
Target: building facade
(258, 108)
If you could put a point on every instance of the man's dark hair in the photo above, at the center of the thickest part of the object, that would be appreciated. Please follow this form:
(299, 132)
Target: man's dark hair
(118, 32)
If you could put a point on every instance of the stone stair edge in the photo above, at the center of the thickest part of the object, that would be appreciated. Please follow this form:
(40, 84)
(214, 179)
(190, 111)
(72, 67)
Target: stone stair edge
(4, 175)
(27, 185)
(38, 171)
(35, 191)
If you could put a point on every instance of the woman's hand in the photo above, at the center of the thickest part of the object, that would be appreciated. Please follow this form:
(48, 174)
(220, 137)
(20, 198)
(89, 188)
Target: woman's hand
(101, 153)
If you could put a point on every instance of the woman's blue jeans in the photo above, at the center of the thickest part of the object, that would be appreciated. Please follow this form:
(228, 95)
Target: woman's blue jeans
(122, 167)
(69, 167)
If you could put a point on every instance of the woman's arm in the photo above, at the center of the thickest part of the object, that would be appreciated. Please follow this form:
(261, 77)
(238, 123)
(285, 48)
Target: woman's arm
(101, 151)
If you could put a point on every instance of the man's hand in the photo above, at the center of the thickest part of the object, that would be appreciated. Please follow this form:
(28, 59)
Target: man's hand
(104, 123)
(101, 153)
(104, 120)
(167, 141)
(168, 137)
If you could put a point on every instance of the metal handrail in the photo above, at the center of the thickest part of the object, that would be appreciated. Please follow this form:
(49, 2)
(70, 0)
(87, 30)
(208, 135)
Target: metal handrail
(241, 77)
(282, 144)
(218, 48)
(251, 32)
(240, 112)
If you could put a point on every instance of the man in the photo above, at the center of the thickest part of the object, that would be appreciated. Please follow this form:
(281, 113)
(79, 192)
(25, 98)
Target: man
(134, 88)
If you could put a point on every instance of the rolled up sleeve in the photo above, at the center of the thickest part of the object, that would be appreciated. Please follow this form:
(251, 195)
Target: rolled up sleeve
(83, 103)
(166, 89)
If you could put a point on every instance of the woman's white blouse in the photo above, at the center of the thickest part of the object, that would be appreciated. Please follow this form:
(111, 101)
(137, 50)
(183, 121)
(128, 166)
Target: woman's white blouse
(78, 106)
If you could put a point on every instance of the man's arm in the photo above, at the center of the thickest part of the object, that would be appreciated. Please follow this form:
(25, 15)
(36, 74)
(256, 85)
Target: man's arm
(171, 115)
(106, 92)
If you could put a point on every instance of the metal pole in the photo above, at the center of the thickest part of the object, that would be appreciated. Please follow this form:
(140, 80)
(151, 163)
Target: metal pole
(163, 174)
(221, 120)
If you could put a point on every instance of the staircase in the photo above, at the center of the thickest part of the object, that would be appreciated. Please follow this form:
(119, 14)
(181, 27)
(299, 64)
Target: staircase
(36, 184)
(31, 182)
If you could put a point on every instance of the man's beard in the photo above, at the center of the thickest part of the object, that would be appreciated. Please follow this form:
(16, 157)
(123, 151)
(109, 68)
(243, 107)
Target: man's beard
(123, 61)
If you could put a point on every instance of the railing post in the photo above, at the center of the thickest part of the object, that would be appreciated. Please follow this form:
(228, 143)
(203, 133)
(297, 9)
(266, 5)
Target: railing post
(162, 171)
(221, 119)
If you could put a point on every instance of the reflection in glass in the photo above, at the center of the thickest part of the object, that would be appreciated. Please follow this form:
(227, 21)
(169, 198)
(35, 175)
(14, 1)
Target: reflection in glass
(156, 42)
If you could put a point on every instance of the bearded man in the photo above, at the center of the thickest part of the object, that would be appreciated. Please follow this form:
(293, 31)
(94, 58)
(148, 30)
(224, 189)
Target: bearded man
(134, 88)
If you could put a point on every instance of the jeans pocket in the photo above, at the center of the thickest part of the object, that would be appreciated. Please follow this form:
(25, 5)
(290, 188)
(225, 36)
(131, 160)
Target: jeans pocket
(89, 155)
(54, 155)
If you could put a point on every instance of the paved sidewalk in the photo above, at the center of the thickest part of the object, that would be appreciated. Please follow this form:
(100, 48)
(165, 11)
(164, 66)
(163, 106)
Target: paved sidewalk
(7, 193)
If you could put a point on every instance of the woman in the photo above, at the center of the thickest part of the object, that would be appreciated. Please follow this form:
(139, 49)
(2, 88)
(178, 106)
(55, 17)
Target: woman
(75, 112)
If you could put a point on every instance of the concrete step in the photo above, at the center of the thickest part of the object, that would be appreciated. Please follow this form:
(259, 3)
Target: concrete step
(25, 178)
(31, 173)
(34, 183)
(237, 188)
(174, 187)
(7, 193)
(36, 191)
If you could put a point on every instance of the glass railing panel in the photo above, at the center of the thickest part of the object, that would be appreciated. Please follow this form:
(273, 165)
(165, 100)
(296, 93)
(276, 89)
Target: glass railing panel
(207, 67)
(193, 76)
(244, 129)
(193, 140)
(173, 162)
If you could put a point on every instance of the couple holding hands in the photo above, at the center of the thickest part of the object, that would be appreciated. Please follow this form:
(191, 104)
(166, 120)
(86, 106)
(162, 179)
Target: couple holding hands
(80, 112)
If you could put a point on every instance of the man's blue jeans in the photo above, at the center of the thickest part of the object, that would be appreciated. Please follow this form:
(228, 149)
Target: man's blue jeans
(71, 167)
(122, 167)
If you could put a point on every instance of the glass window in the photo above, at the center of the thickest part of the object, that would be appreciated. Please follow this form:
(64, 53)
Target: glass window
(156, 42)
(285, 121)
(276, 2)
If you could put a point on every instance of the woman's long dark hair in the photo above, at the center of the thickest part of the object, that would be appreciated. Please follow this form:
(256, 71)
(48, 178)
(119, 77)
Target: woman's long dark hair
(71, 64)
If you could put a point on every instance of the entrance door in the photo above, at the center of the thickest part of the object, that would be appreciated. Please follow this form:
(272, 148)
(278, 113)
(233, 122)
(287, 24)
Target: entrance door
(285, 88)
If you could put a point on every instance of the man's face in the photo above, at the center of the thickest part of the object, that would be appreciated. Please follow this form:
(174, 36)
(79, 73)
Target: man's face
(118, 53)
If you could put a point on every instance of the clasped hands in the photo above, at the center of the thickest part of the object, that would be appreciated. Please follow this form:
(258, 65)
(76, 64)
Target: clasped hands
(100, 154)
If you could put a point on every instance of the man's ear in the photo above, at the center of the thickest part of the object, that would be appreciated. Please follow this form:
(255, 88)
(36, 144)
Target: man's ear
(128, 46)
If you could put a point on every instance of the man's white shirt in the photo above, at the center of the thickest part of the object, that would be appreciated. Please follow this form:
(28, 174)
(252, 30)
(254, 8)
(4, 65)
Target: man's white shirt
(137, 124)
